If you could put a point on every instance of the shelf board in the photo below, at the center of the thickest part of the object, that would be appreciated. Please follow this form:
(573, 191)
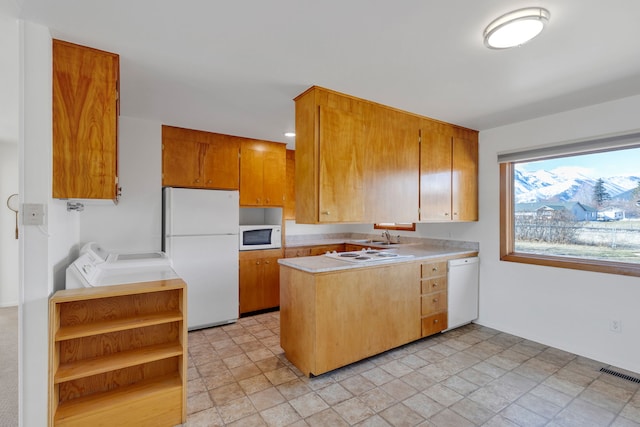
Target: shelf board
(106, 326)
(78, 411)
(98, 365)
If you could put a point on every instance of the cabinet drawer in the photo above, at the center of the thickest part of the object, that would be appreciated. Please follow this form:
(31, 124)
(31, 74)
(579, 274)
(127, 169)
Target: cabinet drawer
(433, 303)
(296, 252)
(433, 324)
(321, 250)
(434, 284)
(434, 269)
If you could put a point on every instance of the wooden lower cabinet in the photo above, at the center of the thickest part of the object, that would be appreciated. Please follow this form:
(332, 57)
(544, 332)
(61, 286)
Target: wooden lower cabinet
(434, 297)
(313, 250)
(332, 319)
(118, 355)
(259, 280)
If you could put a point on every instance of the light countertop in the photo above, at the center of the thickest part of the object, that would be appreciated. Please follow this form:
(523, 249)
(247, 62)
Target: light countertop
(417, 249)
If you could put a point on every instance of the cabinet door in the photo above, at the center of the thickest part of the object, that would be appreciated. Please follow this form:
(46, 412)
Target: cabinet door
(290, 190)
(259, 284)
(262, 173)
(465, 180)
(182, 163)
(271, 283)
(221, 168)
(85, 122)
(392, 166)
(435, 177)
(251, 272)
(273, 175)
(198, 159)
(341, 179)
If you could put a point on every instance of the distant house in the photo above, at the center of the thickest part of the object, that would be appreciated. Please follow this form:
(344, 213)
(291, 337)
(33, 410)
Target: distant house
(611, 214)
(576, 210)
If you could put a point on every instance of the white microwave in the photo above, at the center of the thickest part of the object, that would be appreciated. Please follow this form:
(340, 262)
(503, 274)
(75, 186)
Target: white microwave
(254, 237)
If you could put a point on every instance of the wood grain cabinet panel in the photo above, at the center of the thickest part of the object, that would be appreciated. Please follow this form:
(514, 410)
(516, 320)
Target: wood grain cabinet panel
(356, 161)
(392, 161)
(290, 191)
(259, 280)
(448, 173)
(329, 320)
(118, 353)
(314, 250)
(198, 159)
(434, 297)
(297, 252)
(262, 173)
(85, 122)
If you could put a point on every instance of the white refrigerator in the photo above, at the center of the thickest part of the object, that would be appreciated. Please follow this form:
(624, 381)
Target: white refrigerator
(200, 231)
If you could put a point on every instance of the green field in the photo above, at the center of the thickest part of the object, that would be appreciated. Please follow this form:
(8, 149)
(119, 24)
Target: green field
(612, 241)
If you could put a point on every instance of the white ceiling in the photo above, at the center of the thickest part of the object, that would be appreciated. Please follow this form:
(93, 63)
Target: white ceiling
(234, 66)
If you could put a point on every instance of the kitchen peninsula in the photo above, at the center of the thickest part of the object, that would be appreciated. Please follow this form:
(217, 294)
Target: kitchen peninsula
(335, 312)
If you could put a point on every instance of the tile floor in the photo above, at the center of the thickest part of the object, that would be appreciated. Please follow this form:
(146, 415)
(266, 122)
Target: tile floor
(471, 376)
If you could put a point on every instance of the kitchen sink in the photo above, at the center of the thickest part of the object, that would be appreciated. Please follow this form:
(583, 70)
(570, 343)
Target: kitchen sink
(374, 242)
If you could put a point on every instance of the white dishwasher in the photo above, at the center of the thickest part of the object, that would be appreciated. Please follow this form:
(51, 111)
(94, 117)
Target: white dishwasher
(462, 294)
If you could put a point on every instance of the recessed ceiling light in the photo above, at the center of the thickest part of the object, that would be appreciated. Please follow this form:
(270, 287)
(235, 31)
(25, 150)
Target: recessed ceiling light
(290, 134)
(515, 28)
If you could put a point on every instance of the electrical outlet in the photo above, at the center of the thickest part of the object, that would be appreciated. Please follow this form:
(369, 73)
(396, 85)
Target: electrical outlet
(615, 326)
(33, 214)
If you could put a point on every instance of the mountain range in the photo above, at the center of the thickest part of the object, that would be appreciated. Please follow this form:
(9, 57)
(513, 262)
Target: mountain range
(568, 184)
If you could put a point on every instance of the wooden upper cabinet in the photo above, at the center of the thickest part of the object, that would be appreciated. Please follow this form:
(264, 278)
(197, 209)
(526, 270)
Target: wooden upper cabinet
(435, 177)
(464, 181)
(290, 190)
(262, 173)
(198, 159)
(341, 168)
(85, 122)
(392, 164)
(448, 174)
(356, 161)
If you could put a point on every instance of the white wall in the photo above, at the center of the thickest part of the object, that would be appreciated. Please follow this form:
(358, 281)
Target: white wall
(568, 309)
(8, 241)
(134, 225)
(9, 77)
(45, 250)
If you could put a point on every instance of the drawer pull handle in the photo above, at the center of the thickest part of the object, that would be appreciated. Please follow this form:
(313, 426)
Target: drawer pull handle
(326, 213)
(435, 269)
(435, 300)
(434, 285)
(435, 321)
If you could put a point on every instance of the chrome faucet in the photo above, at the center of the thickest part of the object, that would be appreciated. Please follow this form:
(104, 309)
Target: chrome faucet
(387, 236)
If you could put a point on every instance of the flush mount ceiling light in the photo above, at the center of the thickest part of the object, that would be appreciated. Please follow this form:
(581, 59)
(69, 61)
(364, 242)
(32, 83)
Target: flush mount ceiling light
(290, 134)
(515, 28)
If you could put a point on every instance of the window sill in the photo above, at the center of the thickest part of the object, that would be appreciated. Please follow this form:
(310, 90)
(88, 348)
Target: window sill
(599, 266)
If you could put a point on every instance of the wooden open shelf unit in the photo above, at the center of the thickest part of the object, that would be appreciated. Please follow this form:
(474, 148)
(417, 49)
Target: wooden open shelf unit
(118, 355)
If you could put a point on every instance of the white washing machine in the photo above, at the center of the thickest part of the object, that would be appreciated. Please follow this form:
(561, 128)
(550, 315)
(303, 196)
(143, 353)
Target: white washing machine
(97, 267)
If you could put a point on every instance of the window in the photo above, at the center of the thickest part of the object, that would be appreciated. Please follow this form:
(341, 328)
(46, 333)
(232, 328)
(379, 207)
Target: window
(408, 226)
(578, 209)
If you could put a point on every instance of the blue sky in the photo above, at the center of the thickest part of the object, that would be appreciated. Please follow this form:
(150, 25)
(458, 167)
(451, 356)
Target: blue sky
(599, 165)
